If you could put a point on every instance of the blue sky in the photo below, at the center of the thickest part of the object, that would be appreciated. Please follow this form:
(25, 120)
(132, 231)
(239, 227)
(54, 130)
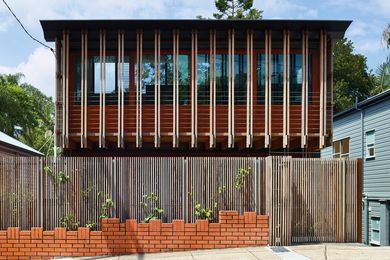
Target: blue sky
(20, 54)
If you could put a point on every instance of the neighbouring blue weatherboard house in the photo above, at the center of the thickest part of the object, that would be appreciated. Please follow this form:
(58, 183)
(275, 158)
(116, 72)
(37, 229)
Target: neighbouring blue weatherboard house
(364, 132)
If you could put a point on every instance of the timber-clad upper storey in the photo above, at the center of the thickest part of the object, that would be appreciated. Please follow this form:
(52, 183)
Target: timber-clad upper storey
(257, 84)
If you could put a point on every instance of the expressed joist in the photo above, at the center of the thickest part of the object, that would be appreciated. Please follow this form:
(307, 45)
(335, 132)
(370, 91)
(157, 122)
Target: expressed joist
(102, 89)
(139, 90)
(305, 88)
(231, 88)
(213, 38)
(65, 88)
(121, 87)
(286, 87)
(157, 87)
(175, 140)
(268, 84)
(194, 89)
(323, 88)
(84, 87)
(249, 94)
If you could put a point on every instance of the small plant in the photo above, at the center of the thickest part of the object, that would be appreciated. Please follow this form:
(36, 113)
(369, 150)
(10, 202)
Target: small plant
(69, 221)
(203, 213)
(241, 177)
(91, 225)
(152, 212)
(59, 177)
(85, 193)
(107, 206)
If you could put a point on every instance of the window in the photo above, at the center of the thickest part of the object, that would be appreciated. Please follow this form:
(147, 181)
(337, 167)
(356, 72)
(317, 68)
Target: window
(93, 79)
(375, 230)
(341, 148)
(221, 76)
(166, 79)
(277, 79)
(370, 144)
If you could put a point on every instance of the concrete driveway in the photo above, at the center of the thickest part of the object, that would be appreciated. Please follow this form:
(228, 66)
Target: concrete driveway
(301, 252)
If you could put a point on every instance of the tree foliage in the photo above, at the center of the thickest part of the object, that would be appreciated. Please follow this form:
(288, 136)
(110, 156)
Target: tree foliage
(352, 80)
(386, 35)
(236, 9)
(26, 113)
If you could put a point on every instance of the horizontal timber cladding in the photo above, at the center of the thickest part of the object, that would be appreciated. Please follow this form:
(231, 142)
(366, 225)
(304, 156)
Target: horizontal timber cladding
(307, 200)
(195, 88)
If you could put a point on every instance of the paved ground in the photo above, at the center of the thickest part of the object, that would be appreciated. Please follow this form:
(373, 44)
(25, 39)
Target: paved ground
(301, 252)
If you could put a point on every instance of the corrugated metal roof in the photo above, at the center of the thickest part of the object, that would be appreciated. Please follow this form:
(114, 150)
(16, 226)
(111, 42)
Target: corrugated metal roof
(8, 140)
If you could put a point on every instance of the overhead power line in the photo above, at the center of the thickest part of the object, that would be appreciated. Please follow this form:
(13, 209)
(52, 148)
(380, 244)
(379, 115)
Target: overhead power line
(25, 30)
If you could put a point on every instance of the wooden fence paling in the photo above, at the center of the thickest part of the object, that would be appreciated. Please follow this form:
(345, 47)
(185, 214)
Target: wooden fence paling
(308, 200)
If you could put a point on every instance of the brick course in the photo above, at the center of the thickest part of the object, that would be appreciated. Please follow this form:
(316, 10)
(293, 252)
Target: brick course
(132, 237)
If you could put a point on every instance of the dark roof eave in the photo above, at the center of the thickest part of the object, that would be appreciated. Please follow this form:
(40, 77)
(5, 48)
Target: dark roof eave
(53, 28)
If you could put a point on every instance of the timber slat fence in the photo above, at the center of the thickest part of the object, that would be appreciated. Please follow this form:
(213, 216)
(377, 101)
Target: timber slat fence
(308, 200)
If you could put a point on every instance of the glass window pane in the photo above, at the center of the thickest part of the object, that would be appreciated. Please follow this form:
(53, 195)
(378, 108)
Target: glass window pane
(221, 74)
(110, 77)
(277, 79)
(345, 146)
(203, 79)
(184, 81)
(260, 70)
(166, 79)
(240, 74)
(96, 88)
(370, 137)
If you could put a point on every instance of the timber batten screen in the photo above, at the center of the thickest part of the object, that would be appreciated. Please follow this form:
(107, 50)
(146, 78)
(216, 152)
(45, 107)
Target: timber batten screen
(219, 85)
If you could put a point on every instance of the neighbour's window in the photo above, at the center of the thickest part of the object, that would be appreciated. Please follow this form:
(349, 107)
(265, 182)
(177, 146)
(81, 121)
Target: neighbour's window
(375, 230)
(341, 148)
(370, 144)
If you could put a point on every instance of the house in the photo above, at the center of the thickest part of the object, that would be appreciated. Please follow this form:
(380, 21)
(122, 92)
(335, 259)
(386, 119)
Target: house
(190, 87)
(364, 132)
(11, 147)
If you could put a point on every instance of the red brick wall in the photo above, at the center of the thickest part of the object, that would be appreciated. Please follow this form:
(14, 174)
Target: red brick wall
(132, 237)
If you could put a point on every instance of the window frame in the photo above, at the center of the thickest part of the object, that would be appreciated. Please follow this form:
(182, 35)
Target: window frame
(372, 146)
(340, 142)
(372, 230)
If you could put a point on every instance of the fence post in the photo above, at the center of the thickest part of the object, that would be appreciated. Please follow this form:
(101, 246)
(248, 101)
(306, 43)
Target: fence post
(113, 186)
(343, 167)
(40, 191)
(257, 186)
(185, 189)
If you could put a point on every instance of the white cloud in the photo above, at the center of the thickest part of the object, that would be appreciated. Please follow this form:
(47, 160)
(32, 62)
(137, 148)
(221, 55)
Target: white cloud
(285, 9)
(38, 70)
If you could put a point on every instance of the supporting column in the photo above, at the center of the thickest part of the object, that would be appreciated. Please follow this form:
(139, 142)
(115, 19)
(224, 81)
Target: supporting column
(323, 87)
(249, 94)
(212, 87)
(268, 92)
(121, 89)
(286, 87)
(65, 89)
(84, 86)
(194, 89)
(231, 88)
(139, 90)
(58, 88)
(304, 110)
(102, 90)
(157, 104)
(175, 88)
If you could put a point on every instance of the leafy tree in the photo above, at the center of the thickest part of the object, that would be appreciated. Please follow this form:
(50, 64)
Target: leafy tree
(382, 77)
(26, 113)
(386, 35)
(352, 80)
(236, 9)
